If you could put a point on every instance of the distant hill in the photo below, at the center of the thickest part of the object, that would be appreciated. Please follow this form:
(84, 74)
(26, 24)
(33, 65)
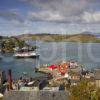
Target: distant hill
(83, 37)
(96, 34)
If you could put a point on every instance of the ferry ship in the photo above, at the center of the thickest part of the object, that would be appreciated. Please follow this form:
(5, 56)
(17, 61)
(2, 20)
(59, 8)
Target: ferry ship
(25, 53)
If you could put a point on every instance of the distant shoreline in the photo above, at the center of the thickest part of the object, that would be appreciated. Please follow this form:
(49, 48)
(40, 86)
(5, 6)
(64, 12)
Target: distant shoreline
(79, 38)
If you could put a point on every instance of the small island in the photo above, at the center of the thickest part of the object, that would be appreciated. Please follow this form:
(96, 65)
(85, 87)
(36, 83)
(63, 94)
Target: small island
(8, 44)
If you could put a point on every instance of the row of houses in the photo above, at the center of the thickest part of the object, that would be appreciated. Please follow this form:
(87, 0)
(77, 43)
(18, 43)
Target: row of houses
(73, 72)
(92, 77)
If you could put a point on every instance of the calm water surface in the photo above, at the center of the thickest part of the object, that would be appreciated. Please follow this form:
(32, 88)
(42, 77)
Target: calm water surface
(87, 54)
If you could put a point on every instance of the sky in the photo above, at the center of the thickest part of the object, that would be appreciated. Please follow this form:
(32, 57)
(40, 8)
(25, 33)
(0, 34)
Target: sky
(49, 16)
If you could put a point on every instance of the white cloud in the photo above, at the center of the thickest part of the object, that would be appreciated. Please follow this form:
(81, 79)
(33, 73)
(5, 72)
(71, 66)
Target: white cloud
(91, 17)
(85, 17)
(65, 11)
(54, 16)
(46, 15)
(66, 7)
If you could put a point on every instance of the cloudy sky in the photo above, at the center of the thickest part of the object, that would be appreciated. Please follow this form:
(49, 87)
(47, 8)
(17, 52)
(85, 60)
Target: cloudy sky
(49, 16)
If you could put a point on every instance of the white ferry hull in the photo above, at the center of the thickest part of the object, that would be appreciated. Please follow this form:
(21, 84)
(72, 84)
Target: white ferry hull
(26, 55)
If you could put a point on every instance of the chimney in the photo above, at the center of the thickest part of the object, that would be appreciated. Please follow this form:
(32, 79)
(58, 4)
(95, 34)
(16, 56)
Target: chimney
(10, 79)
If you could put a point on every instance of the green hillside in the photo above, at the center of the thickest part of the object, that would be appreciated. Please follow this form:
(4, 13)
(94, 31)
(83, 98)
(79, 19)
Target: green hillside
(56, 37)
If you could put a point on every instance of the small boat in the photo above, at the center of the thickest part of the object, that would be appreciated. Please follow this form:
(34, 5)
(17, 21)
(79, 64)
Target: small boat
(25, 53)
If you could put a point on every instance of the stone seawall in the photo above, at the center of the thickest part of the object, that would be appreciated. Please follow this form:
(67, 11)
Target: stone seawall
(36, 95)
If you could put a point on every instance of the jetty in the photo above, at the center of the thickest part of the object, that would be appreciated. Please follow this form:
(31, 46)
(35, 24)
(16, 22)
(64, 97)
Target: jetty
(61, 70)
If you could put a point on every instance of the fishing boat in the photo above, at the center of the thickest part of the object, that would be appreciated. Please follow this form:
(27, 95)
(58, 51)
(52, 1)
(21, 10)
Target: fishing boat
(25, 53)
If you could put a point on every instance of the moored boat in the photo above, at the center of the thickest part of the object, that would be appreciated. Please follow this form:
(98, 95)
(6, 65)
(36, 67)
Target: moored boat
(26, 53)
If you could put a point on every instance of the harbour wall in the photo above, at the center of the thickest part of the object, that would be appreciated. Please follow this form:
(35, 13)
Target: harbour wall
(36, 95)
